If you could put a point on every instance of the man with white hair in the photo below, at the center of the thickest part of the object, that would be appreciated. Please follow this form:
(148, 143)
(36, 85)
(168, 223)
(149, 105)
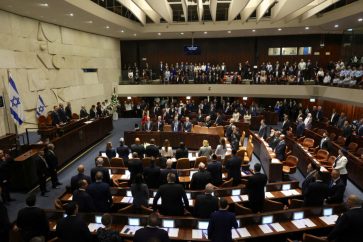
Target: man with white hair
(103, 170)
(123, 151)
(201, 178)
(169, 169)
(206, 204)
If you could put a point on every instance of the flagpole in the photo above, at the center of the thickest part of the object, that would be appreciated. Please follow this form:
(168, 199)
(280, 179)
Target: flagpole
(5, 106)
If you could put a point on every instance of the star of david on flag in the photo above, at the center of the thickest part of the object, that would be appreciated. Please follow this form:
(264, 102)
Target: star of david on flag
(40, 110)
(16, 104)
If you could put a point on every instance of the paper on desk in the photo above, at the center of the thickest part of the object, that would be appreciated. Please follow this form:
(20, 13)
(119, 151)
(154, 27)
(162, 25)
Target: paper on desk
(287, 193)
(329, 220)
(93, 227)
(235, 198)
(295, 192)
(125, 200)
(235, 235)
(269, 195)
(151, 201)
(300, 224)
(70, 198)
(309, 223)
(243, 232)
(196, 234)
(88, 122)
(277, 227)
(125, 176)
(127, 229)
(243, 174)
(173, 232)
(244, 197)
(265, 228)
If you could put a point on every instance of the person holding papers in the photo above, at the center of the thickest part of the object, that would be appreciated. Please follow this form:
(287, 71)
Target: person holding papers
(256, 189)
(336, 188)
(106, 234)
(206, 204)
(221, 222)
(151, 233)
(348, 227)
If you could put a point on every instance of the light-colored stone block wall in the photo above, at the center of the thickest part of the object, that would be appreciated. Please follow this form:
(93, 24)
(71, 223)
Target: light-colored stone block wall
(47, 60)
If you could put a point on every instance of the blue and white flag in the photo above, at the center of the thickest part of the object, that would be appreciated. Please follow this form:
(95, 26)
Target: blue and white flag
(40, 107)
(16, 104)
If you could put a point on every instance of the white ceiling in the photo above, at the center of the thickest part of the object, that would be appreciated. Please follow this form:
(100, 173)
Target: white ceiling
(289, 15)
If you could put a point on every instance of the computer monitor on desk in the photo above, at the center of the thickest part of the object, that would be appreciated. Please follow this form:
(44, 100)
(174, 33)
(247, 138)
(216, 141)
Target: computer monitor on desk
(98, 219)
(327, 211)
(298, 215)
(286, 187)
(128, 194)
(134, 221)
(189, 195)
(203, 224)
(267, 219)
(168, 223)
(236, 192)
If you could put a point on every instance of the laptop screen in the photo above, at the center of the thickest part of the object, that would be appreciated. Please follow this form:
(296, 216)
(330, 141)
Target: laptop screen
(267, 219)
(203, 224)
(286, 187)
(98, 219)
(134, 221)
(128, 194)
(298, 215)
(327, 211)
(236, 192)
(168, 223)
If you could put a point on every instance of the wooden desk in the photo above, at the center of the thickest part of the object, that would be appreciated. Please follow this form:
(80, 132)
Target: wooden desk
(8, 142)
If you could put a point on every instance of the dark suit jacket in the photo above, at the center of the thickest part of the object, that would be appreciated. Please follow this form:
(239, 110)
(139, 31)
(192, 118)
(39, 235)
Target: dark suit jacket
(179, 126)
(233, 167)
(92, 113)
(220, 225)
(262, 132)
(164, 173)
(4, 223)
(123, 152)
(215, 170)
(173, 196)
(83, 113)
(256, 191)
(300, 129)
(75, 179)
(152, 150)
(84, 201)
(55, 118)
(149, 234)
(32, 222)
(101, 195)
(310, 177)
(62, 115)
(199, 180)
(280, 151)
(152, 176)
(336, 192)
(205, 205)
(335, 119)
(360, 130)
(42, 169)
(110, 153)
(315, 194)
(274, 141)
(187, 127)
(72, 229)
(135, 167)
(219, 121)
(68, 112)
(145, 127)
(285, 127)
(161, 126)
(139, 149)
(181, 153)
(104, 170)
(348, 227)
(326, 145)
(51, 159)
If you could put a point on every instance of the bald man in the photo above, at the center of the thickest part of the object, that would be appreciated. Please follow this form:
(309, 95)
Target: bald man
(336, 188)
(138, 148)
(349, 225)
(80, 176)
(169, 169)
(201, 178)
(206, 204)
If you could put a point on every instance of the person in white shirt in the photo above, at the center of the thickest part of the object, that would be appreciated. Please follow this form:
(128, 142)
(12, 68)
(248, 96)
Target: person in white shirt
(302, 65)
(221, 149)
(327, 79)
(340, 164)
(235, 116)
(166, 150)
(308, 121)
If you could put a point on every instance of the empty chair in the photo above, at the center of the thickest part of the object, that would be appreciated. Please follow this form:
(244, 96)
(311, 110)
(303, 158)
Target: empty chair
(340, 141)
(242, 139)
(200, 159)
(269, 205)
(321, 131)
(75, 116)
(248, 155)
(290, 164)
(352, 147)
(241, 153)
(167, 128)
(183, 163)
(322, 155)
(308, 143)
(117, 162)
(241, 210)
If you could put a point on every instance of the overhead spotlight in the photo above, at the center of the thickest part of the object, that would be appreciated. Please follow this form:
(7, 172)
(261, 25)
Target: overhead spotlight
(229, 31)
(312, 100)
(71, 14)
(107, 27)
(129, 98)
(205, 32)
(89, 22)
(181, 33)
(43, 5)
(134, 34)
(360, 20)
(159, 34)
(188, 97)
(349, 30)
(336, 26)
(253, 30)
(244, 98)
(279, 29)
(122, 31)
(307, 28)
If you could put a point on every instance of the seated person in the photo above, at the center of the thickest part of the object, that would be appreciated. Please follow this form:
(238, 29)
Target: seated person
(205, 204)
(201, 178)
(205, 150)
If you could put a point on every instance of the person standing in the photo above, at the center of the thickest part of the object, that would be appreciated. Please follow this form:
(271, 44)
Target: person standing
(107, 234)
(215, 170)
(4, 221)
(340, 164)
(5, 162)
(100, 193)
(42, 171)
(52, 162)
(336, 188)
(256, 189)
(151, 233)
(233, 167)
(83, 199)
(140, 192)
(123, 151)
(206, 204)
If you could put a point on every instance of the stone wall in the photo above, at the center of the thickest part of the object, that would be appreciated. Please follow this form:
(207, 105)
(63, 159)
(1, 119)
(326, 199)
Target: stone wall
(47, 59)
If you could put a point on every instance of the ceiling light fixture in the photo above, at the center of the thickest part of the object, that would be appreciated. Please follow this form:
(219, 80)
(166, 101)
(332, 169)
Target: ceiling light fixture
(205, 32)
(360, 20)
(43, 5)
(89, 22)
(134, 34)
(71, 14)
(107, 27)
(229, 31)
(349, 30)
(181, 33)
(122, 31)
(159, 34)
(253, 30)
(279, 29)
(307, 28)
(336, 26)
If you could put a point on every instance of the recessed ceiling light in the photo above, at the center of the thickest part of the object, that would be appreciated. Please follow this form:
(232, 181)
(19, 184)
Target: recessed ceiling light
(107, 27)
(229, 31)
(307, 28)
(159, 34)
(360, 20)
(122, 31)
(336, 26)
(88, 22)
(253, 30)
(43, 5)
(279, 29)
(71, 14)
(134, 34)
(350, 30)
(205, 32)
(181, 33)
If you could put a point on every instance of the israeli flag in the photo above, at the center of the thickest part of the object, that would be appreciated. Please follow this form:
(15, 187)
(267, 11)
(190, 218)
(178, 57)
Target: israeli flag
(16, 104)
(40, 107)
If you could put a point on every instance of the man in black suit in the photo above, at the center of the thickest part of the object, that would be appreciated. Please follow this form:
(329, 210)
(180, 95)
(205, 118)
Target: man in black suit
(172, 198)
(312, 170)
(360, 128)
(68, 111)
(42, 172)
(181, 152)
(334, 118)
(56, 121)
(135, 166)
(215, 169)
(275, 139)
(205, 204)
(319, 114)
(152, 150)
(316, 192)
(233, 167)
(62, 114)
(83, 199)
(176, 125)
(4, 221)
(83, 112)
(80, 176)
(52, 162)
(229, 129)
(152, 175)
(348, 227)
(5, 175)
(159, 125)
(285, 124)
(148, 125)
(151, 233)
(103, 170)
(138, 148)
(336, 188)
(164, 172)
(92, 112)
(262, 132)
(73, 228)
(32, 221)
(281, 148)
(256, 189)
(123, 151)
(201, 178)
(219, 119)
(300, 127)
(187, 125)
(325, 142)
(100, 193)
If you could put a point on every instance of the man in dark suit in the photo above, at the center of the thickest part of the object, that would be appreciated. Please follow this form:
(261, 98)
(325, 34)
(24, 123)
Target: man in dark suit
(83, 199)
(187, 125)
(148, 125)
(275, 139)
(300, 127)
(151, 233)
(256, 189)
(83, 112)
(68, 111)
(52, 162)
(221, 223)
(138, 148)
(92, 112)
(334, 118)
(62, 113)
(205, 204)
(152, 150)
(123, 151)
(336, 188)
(319, 114)
(172, 198)
(348, 227)
(42, 172)
(215, 169)
(229, 129)
(201, 178)
(5, 176)
(164, 172)
(325, 142)
(341, 120)
(135, 166)
(233, 167)
(73, 228)
(32, 221)
(285, 124)
(4, 221)
(312, 170)
(176, 125)
(360, 128)
(56, 121)
(316, 192)
(152, 175)
(80, 176)
(181, 152)
(281, 148)
(100, 193)
(159, 125)
(262, 132)
(103, 170)
(219, 119)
